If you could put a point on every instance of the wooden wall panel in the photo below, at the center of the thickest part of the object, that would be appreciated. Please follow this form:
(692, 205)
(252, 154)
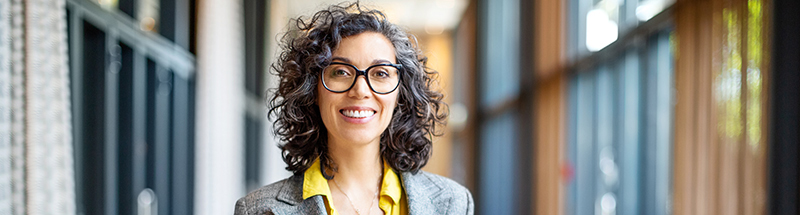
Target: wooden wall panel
(685, 163)
(549, 107)
(464, 72)
(438, 49)
(719, 146)
(550, 141)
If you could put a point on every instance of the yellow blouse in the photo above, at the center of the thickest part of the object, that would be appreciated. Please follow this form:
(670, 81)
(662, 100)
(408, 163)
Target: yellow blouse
(392, 199)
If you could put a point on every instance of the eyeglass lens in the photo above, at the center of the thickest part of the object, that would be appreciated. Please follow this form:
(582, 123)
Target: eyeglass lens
(341, 77)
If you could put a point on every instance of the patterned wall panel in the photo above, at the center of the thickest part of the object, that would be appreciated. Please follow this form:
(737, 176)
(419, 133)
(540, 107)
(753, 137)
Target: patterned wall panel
(17, 108)
(5, 110)
(49, 171)
(36, 172)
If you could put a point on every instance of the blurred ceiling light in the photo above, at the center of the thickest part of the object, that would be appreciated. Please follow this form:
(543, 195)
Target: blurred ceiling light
(608, 204)
(434, 29)
(147, 24)
(600, 30)
(147, 13)
(446, 4)
(415, 15)
(458, 117)
(650, 8)
(107, 4)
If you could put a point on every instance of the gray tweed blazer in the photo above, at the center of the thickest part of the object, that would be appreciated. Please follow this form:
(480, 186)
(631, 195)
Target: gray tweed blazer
(427, 194)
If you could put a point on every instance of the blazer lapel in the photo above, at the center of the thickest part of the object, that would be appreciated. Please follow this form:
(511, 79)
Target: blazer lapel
(292, 194)
(292, 191)
(423, 194)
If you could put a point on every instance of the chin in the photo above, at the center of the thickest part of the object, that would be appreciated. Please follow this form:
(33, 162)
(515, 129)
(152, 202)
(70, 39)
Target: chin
(360, 137)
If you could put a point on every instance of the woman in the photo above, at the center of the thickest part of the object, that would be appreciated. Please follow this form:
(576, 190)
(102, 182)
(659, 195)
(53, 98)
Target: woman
(356, 111)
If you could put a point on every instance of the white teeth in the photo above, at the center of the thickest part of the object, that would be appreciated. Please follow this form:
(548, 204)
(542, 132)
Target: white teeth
(358, 114)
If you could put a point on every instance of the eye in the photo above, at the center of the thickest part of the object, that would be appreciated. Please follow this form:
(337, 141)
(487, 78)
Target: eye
(380, 73)
(340, 73)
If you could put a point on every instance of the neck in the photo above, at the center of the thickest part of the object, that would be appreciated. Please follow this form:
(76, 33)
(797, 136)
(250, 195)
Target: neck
(357, 164)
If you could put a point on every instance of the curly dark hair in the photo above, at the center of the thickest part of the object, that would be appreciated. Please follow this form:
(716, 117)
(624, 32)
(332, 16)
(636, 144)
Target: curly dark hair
(306, 50)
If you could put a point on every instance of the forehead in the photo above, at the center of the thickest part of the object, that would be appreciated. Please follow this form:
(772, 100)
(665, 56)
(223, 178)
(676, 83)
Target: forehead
(365, 48)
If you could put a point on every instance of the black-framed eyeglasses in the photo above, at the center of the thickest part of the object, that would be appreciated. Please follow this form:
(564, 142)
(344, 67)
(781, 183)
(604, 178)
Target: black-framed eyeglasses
(382, 78)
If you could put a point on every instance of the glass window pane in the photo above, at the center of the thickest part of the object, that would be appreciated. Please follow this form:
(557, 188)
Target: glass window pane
(606, 164)
(497, 187)
(500, 80)
(582, 144)
(253, 140)
(620, 136)
(629, 149)
(128, 7)
(125, 134)
(93, 121)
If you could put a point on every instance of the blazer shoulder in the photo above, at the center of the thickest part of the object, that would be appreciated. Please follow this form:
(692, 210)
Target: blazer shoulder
(263, 199)
(453, 196)
(446, 184)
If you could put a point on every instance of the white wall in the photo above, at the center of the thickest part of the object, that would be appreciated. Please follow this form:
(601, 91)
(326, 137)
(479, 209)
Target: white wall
(219, 161)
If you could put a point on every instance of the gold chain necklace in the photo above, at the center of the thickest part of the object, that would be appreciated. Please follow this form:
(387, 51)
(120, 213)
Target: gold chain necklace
(369, 209)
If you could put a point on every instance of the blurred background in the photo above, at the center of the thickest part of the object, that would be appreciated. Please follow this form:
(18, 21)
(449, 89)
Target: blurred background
(556, 106)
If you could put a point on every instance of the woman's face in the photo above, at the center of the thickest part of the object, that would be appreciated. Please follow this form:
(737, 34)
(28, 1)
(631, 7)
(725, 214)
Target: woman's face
(358, 116)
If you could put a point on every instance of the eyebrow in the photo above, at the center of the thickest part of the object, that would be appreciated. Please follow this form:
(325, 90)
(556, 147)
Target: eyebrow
(347, 60)
(344, 59)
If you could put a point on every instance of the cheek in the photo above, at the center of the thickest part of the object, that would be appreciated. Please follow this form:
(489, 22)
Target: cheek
(391, 105)
(324, 97)
(323, 101)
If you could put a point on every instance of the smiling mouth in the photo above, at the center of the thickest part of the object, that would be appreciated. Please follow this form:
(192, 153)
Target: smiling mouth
(357, 113)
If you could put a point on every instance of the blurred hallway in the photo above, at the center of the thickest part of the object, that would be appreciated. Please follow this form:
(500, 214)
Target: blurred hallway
(556, 107)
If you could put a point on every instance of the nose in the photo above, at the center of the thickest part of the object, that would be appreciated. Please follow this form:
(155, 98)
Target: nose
(360, 89)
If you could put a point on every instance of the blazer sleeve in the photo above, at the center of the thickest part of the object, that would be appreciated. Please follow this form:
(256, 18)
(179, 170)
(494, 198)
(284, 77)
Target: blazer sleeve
(462, 202)
(240, 209)
(243, 209)
(470, 203)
